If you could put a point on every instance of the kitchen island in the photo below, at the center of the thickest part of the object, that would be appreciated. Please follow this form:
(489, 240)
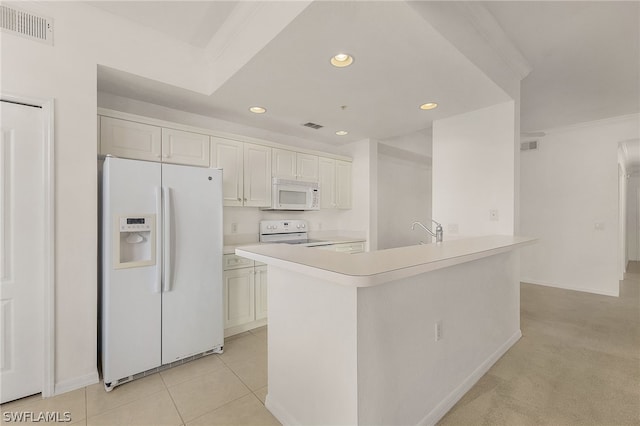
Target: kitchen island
(386, 337)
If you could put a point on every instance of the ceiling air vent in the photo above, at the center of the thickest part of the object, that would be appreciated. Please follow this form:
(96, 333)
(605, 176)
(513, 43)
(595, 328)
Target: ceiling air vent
(529, 146)
(26, 24)
(313, 125)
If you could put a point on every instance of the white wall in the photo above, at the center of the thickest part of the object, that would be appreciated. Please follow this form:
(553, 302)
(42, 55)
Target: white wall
(569, 186)
(363, 216)
(474, 171)
(404, 195)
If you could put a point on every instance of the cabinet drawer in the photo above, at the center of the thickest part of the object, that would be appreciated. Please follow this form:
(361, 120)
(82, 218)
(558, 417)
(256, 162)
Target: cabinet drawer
(232, 261)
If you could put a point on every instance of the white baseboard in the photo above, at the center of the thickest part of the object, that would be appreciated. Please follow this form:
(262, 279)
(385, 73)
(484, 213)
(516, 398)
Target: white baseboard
(446, 404)
(76, 383)
(569, 287)
(231, 331)
(279, 413)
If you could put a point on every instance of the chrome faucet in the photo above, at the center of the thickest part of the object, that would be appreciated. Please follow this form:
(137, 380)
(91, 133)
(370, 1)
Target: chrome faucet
(437, 234)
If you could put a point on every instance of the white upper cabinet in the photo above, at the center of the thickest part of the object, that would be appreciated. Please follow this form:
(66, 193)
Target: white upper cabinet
(327, 182)
(227, 154)
(128, 139)
(343, 184)
(246, 172)
(179, 147)
(335, 183)
(257, 175)
(307, 167)
(295, 165)
(284, 164)
(247, 167)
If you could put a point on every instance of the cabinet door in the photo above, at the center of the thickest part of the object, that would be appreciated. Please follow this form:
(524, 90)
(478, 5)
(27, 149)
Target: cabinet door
(188, 148)
(307, 167)
(226, 154)
(128, 139)
(239, 297)
(327, 182)
(284, 164)
(343, 184)
(257, 175)
(261, 291)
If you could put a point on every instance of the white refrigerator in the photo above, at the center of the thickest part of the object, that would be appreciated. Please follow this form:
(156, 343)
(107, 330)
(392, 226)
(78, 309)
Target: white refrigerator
(161, 298)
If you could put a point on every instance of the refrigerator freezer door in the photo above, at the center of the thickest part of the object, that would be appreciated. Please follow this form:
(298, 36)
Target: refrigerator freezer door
(192, 311)
(131, 301)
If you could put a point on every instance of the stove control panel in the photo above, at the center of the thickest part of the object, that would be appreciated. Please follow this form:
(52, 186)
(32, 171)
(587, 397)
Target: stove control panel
(268, 227)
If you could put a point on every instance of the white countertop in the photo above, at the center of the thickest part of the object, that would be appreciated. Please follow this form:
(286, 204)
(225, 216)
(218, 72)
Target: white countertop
(378, 267)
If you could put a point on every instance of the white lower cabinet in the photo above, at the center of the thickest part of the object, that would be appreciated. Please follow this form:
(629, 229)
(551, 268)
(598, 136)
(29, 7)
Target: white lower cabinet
(239, 292)
(261, 291)
(245, 294)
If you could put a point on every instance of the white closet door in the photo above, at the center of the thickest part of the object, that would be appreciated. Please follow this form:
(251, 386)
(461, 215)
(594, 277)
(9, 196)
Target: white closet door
(22, 245)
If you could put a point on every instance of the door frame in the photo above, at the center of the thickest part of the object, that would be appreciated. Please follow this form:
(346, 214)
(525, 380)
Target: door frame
(47, 105)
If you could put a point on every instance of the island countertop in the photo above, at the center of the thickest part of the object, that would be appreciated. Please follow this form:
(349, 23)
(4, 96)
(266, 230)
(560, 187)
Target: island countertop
(381, 266)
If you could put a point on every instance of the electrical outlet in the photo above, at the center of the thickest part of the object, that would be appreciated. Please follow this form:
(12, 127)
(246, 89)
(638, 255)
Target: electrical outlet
(493, 215)
(234, 228)
(598, 226)
(319, 226)
(438, 330)
(453, 228)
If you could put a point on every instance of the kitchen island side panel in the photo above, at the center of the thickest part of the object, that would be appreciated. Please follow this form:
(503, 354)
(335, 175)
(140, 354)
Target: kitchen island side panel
(405, 375)
(312, 350)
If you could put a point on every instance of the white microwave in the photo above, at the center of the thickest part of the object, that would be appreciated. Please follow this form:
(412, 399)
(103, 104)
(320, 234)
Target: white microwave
(294, 195)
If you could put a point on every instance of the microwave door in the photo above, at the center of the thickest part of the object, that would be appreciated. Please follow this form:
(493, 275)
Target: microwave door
(292, 199)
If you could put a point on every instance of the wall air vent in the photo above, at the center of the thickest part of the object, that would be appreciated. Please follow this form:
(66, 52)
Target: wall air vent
(313, 125)
(26, 24)
(529, 146)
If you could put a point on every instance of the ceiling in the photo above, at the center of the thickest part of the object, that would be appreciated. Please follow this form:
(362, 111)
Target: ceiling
(584, 57)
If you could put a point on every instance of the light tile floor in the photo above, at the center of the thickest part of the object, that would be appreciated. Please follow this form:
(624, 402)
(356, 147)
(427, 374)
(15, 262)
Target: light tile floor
(578, 363)
(226, 389)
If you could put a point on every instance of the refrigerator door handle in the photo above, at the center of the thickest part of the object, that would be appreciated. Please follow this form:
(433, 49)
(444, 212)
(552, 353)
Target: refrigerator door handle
(166, 238)
(157, 285)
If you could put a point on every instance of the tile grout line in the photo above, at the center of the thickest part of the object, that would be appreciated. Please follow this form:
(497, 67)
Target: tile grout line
(172, 400)
(223, 405)
(127, 403)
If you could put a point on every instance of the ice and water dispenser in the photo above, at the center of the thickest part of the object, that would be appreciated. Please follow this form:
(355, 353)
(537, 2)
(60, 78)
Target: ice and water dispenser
(135, 241)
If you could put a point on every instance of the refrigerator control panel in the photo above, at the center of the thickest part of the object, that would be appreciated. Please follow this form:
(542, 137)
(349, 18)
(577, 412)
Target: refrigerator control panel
(135, 224)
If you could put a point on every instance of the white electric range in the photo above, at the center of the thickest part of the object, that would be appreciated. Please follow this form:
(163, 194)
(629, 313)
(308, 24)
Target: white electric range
(293, 231)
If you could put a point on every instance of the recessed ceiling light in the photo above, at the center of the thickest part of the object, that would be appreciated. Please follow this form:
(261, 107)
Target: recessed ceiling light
(342, 60)
(429, 105)
(257, 110)
(342, 133)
